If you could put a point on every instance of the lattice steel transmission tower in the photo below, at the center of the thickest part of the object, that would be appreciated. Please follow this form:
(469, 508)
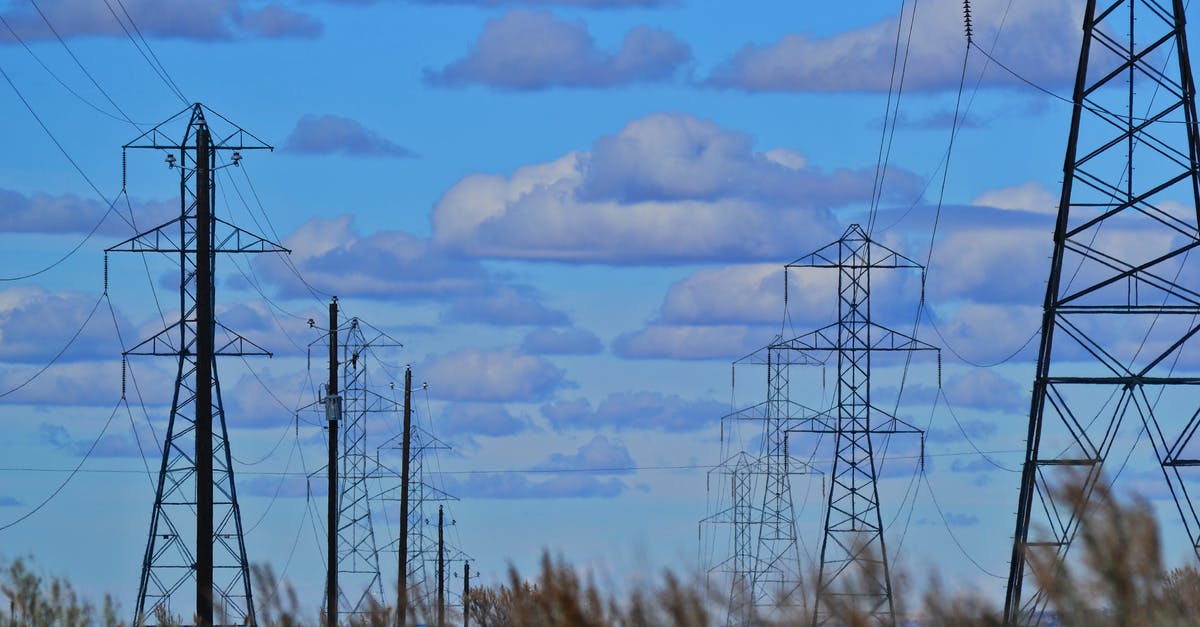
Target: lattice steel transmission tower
(195, 524)
(763, 565)
(1122, 303)
(852, 545)
(420, 560)
(358, 557)
(736, 481)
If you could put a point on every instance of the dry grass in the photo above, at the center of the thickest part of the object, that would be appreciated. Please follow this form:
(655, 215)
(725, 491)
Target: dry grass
(1117, 578)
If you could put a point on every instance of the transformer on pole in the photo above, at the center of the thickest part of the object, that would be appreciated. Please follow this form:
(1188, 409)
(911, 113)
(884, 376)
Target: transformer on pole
(1122, 305)
(195, 523)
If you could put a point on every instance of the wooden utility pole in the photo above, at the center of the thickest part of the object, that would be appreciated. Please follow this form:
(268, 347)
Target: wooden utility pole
(205, 330)
(406, 447)
(441, 592)
(466, 593)
(333, 411)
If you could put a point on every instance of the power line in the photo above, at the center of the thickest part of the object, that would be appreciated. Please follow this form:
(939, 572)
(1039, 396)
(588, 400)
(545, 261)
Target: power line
(78, 467)
(535, 470)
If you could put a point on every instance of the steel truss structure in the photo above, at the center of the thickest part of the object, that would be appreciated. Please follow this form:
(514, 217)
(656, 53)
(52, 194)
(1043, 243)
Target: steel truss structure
(1122, 306)
(359, 578)
(853, 561)
(423, 500)
(195, 523)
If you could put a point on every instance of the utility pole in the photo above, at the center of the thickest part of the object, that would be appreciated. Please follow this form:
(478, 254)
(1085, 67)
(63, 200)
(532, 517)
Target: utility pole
(402, 586)
(466, 593)
(332, 413)
(195, 480)
(441, 577)
(1117, 318)
(204, 370)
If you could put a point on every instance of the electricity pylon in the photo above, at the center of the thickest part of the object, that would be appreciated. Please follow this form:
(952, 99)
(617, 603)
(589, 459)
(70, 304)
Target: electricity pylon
(419, 527)
(196, 524)
(1122, 303)
(853, 562)
(358, 558)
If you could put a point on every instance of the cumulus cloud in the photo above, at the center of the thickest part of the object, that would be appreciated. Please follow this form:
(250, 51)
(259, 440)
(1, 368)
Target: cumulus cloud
(691, 342)
(36, 323)
(668, 188)
(527, 50)
(491, 375)
(504, 305)
(599, 454)
(250, 403)
(109, 445)
(67, 213)
(650, 411)
(171, 19)
(1031, 196)
(549, 341)
(510, 486)
(585, 473)
(1040, 41)
(333, 134)
(489, 419)
(334, 257)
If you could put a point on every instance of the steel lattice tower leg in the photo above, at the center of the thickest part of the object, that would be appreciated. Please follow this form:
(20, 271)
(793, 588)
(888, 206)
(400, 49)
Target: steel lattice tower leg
(1123, 298)
(359, 578)
(852, 544)
(195, 523)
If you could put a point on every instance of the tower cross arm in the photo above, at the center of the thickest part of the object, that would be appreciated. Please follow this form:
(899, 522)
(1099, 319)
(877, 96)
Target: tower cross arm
(881, 339)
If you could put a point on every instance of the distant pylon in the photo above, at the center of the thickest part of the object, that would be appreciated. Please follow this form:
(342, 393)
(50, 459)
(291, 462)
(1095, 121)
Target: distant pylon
(1122, 305)
(762, 567)
(195, 523)
(853, 562)
(358, 558)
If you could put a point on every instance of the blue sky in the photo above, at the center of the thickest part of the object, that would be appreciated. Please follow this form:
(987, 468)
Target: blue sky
(573, 213)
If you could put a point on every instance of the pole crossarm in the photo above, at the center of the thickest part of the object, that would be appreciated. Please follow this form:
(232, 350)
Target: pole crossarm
(166, 343)
(161, 137)
(832, 256)
(827, 339)
(165, 238)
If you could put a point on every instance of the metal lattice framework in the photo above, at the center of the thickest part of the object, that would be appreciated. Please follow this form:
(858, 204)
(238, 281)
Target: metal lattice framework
(1123, 299)
(423, 499)
(195, 524)
(853, 559)
(359, 580)
(735, 480)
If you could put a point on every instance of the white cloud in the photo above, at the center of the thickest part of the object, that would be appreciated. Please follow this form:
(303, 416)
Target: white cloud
(548, 341)
(214, 20)
(504, 305)
(36, 323)
(650, 411)
(1032, 197)
(1039, 40)
(333, 134)
(599, 453)
(488, 419)
(666, 188)
(659, 341)
(335, 258)
(527, 49)
(490, 375)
